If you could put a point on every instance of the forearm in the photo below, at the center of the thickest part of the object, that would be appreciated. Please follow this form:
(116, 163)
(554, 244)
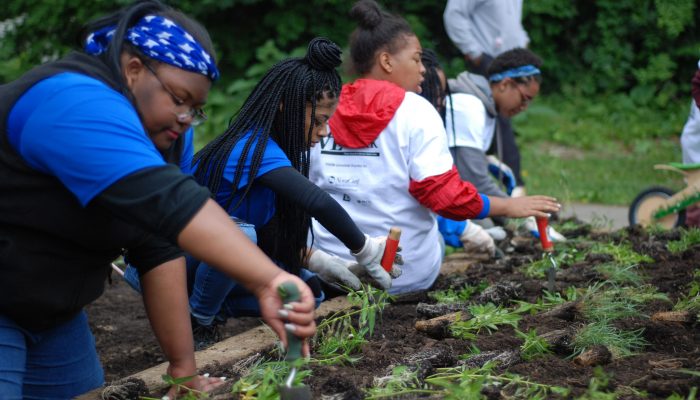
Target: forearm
(166, 302)
(212, 237)
(288, 183)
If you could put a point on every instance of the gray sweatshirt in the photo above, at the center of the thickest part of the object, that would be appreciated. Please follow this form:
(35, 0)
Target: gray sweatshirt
(485, 26)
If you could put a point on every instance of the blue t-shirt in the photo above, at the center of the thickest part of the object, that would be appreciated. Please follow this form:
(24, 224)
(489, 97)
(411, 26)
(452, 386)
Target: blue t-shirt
(259, 205)
(84, 133)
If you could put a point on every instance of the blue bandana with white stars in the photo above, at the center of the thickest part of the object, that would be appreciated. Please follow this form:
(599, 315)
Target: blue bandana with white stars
(162, 39)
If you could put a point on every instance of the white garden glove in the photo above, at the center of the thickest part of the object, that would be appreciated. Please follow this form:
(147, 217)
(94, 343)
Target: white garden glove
(496, 232)
(530, 225)
(475, 239)
(333, 269)
(370, 257)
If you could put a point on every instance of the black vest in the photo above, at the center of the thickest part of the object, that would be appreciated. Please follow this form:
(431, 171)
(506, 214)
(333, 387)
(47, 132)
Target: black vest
(54, 253)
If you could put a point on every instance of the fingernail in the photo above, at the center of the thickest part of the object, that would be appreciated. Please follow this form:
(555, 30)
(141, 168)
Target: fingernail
(223, 378)
(289, 306)
(290, 327)
(283, 313)
(206, 375)
(559, 205)
(165, 398)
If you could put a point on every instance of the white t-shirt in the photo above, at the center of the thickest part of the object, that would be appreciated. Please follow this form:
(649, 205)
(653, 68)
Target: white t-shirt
(473, 126)
(372, 185)
(690, 138)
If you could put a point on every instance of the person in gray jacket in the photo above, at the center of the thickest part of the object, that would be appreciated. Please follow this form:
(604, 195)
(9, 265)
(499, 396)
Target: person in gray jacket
(482, 30)
(469, 105)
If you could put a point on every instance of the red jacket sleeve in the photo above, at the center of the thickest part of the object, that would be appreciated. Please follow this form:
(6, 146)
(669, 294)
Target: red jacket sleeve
(448, 196)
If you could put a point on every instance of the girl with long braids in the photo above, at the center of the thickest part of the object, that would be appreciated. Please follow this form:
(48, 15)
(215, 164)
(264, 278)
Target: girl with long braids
(257, 171)
(85, 149)
(386, 159)
(469, 106)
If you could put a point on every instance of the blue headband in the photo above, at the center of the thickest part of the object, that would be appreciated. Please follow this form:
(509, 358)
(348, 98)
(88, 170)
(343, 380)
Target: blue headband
(161, 39)
(525, 70)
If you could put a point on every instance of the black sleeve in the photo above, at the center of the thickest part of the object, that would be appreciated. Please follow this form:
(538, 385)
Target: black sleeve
(473, 167)
(152, 252)
(160, 200)
(293, 186)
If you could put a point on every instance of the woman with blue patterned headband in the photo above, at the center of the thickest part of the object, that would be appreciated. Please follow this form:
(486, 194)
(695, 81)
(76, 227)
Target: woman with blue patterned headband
(89, 153)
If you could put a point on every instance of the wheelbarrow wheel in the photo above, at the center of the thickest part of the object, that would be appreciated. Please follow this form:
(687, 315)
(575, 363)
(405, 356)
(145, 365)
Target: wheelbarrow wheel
(645, 205)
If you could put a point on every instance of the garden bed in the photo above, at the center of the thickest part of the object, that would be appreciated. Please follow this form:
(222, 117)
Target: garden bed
(510, 340)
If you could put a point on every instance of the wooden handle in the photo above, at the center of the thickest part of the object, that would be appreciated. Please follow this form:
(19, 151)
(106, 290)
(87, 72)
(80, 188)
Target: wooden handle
(392, 244)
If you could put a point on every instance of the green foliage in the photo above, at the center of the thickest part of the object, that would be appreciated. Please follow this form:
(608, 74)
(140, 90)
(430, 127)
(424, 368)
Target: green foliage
(265, 377)
(691, 300)
(692, 395)
(186, 392)
(533, 346)
(620, 343)
(484, 317)
(402, 380)
(457, 296)
(597, 387)
(689, 238)
(619, 274)
(463, 383)
(622, 253)
(337, 338)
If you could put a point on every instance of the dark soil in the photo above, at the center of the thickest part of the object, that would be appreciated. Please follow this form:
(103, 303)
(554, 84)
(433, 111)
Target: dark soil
(126, 344)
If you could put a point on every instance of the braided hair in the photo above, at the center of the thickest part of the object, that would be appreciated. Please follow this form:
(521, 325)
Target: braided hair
(276, 109)
(432, 89)
(376, 30)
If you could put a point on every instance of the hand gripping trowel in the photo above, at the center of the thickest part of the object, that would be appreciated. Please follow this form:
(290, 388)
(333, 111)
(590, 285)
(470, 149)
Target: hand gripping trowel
(289, 292)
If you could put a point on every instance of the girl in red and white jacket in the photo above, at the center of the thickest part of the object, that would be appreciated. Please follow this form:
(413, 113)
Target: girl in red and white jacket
(386, 160)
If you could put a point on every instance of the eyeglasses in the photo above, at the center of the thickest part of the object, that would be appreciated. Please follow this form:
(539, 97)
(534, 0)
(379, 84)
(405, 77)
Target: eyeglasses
(195, 116)
(525, 99)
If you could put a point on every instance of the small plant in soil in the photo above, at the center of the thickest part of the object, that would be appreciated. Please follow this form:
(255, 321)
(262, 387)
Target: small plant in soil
(689, 238)
(457, 296)
(690, 301)
(265, 377)
(185, 392)
(622, 253)
(533, 346)
(402, 380)
(620, 274)
(620, 343)
(547, 301)
(484, 317)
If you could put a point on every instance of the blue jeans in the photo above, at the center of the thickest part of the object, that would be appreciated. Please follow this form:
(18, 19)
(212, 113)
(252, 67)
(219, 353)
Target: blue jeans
(60, 363)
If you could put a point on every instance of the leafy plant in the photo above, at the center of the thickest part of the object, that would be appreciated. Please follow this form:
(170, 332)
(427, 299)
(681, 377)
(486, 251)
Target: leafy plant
(620, 343)
(457, 296)
(597, 387)
(488, 317)
(692, 395)
(619, 274)
(265, 377)
(689, 238)
(401, 381)
(622, 253)
(533, 346)
(691, 301)
(186, 393)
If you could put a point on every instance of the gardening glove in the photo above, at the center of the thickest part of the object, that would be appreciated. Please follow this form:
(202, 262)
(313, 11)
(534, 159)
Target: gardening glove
(333, 269)
(370, 257)
(496, 232)
(475, 239)
(502, 172)
(530, 225)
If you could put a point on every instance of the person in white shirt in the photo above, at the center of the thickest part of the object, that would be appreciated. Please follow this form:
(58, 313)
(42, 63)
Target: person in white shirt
(386, 159)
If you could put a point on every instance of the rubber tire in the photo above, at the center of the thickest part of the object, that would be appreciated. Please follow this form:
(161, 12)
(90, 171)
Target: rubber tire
(640, 212)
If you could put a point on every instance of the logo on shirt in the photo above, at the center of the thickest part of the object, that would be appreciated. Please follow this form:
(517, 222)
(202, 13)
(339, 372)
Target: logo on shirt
(342, 181)
(346, 197)
(330, 147)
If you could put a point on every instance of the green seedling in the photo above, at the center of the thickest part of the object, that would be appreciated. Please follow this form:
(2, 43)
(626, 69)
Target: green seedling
(186, 393)
(689, 238)
(457, 296)
(620, 274)
(597, 387)
(692, 395)
(606, 301)
(622, 253)
(264, 378)
(533, 346)
(484, 317)
(620, 343)
(402, 381)
(691, 301)
(461, 383)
